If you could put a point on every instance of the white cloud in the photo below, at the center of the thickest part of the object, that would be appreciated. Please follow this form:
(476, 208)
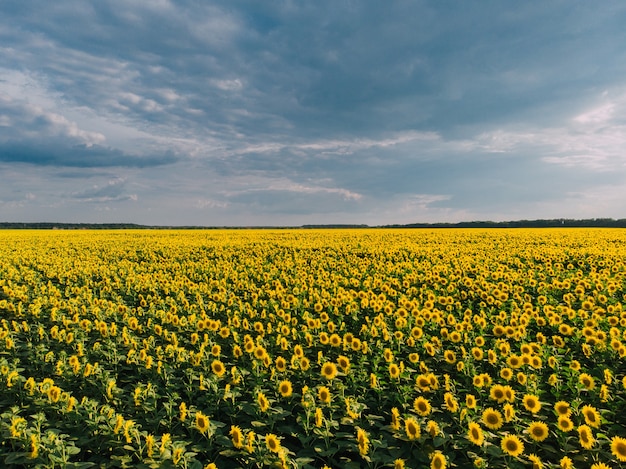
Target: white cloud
(31, 121)
(285, 185)
(594, 139)
(344, 146)
(228, 85)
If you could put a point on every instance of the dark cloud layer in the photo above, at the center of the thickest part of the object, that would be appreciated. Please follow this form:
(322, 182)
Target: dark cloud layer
(78, 156)
(313, 112)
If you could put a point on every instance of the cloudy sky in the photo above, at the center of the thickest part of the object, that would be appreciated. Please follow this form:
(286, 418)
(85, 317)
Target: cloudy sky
(293, 112)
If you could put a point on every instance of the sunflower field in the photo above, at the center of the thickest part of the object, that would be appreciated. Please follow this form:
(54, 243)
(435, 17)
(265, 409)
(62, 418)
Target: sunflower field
(313, 348)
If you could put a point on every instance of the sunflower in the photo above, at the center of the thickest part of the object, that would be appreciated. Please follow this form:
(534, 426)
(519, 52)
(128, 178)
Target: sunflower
(414, 357)
(537, 464)
(585, 437)
(496, 393)
(475, 434)
(281, 364)
(264, 404)
(492, 418)
(587, 381)
(477, 353)
(512, 445)
(323, 338)
(618, 448)
(285, 388)
(394, 371)
(592, 416)
(373, 381)
(250, 439)
(509, 393)
(363, 441)
(412, 428)
(319, 417)
(566, 463)
(514, 361)
(565, 424)
(329, 370)
(395, 419)
(451, 403)
(562, 408)
(509, 412)
(260, 352)
(506, 373)
(422, 382)
(323, 394)
(344, 363)
(236, 436)
(438, 460)
(422, 406)
(218, 368)
(600, 465)
(304, 363)
(202, 422)
(272, 443)
(432, 428)
(538, 431)
(478, 381)
(532, 403)
(399, 464)
(54, 393)
(470, 401)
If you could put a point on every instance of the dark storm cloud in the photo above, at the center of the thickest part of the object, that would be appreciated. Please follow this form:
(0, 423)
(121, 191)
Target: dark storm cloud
(79, 156)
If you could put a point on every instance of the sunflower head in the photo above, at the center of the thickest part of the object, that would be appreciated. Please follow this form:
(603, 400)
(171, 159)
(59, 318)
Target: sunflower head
(412, 428)
(470, 401)
(329, 370)
(344, 363)
(202, 422)
(236, 436)
(564, 423)
(538, 431)
(285, 388)
(618, 448)
(531, 403)
(492, 418)
(323, 394)
(422, 406)
(585, 437)
(475, 434)
(272, 443)
(438, 460)
(592, 416)
(512, 445)
(218, 368)
(562, 408)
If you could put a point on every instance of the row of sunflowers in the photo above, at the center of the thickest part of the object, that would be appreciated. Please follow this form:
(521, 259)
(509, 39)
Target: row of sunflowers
(313, 348)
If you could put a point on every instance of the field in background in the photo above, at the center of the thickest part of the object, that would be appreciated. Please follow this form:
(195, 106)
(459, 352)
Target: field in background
(297, 348)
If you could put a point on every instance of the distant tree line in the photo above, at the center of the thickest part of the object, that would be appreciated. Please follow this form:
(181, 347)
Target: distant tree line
(552, 223)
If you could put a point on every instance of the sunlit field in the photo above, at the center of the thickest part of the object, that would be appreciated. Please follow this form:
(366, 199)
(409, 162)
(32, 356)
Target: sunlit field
(313, 348)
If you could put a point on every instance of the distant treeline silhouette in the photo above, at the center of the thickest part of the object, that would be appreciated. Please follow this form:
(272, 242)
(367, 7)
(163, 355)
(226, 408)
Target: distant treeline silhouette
(552, 223)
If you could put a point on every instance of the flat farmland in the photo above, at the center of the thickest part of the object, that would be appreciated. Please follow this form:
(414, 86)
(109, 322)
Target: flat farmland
(313, 348)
